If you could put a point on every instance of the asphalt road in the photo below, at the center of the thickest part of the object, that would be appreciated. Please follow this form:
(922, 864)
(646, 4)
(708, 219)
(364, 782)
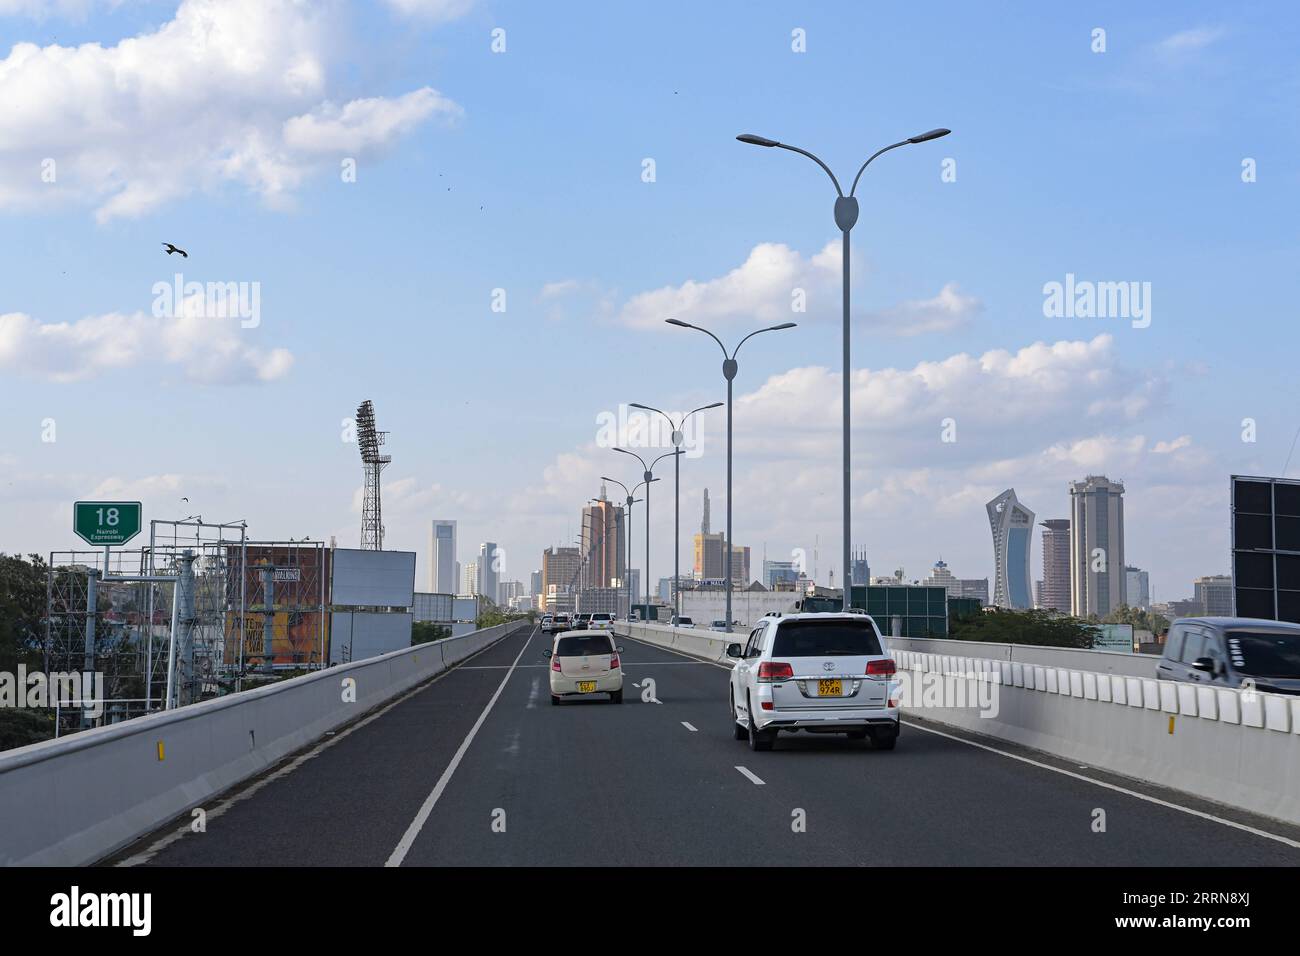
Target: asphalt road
(478, 768)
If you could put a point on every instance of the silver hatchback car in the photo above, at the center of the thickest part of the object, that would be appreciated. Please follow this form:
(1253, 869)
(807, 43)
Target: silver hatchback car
(1227, 651)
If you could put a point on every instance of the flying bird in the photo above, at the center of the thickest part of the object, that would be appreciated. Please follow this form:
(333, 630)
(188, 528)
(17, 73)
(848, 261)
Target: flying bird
(171, 249)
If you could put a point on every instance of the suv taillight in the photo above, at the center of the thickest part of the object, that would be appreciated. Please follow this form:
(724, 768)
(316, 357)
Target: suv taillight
(774, 670)
(555, 662)
(881, 667)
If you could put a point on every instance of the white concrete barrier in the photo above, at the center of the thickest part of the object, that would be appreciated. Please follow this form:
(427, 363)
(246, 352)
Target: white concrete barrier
(1239, 748)
(78, 799)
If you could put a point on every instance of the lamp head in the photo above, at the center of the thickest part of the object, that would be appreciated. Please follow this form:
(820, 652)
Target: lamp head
(929, 135)
(755, 140)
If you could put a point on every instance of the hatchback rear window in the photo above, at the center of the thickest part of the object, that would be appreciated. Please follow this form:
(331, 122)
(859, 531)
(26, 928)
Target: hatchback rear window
(825, 639)
(584, 645)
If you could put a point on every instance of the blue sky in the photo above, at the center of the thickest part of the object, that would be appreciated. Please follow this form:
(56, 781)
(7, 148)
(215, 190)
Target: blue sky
(523, 172)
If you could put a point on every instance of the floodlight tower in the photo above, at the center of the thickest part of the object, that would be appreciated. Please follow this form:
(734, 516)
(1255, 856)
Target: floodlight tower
(369, 440)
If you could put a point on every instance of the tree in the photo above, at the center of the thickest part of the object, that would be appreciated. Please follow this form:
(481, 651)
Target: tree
(1140, 619)
(422, 632)
(22, 610)
(1006, 626)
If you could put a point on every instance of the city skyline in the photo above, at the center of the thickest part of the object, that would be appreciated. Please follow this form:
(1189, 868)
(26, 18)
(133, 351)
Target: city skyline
(950, 299)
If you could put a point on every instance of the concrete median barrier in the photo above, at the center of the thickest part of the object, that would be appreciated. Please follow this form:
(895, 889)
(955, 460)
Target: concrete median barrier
(75, 800)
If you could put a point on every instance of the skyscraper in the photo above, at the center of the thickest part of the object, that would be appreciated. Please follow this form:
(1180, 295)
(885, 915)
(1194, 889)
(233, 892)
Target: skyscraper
(1012, 525)
(1055, 594)
(704, 525)
(469, 583)
(1213, 593)
(1097, 580)
(559, 570)
(1137, 588)
(861, 569)
(489, 571)
(604, 545)
(442, 557)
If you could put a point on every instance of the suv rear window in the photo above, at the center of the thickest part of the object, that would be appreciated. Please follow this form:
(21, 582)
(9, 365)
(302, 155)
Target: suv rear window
(584, 645)
(825, 639)
(1263, 654)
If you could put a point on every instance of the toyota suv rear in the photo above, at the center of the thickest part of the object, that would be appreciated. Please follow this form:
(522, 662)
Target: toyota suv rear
(816, 672)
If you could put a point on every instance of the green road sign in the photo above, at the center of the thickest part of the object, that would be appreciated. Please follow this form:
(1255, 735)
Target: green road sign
(106, 522)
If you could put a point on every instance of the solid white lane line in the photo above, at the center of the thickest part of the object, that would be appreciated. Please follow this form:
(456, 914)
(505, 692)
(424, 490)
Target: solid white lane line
(750, 774)
(408, 838)
(689, 727)
(153, 849)
(1111, 786)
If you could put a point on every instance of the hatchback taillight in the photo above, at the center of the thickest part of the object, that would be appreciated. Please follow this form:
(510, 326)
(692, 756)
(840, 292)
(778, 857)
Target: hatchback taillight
(881, 667)
(613, 662)
(555, 662)
(774, 670)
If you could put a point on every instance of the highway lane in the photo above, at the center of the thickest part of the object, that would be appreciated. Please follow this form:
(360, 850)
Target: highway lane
(592, 783)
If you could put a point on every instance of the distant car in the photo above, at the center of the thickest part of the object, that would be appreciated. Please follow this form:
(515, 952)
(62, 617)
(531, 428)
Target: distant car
(717, 625)
(683, 622)
(546, 623)
(580, 622)
(560, 622)
(601, 622)
(1226, 651)
(585, 662)
(818, 672)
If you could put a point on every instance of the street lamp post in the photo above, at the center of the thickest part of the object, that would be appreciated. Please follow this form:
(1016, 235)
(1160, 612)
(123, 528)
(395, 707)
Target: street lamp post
(647, 477)
(631, 500)
(678, 437)
(729, 369)
(846, 216)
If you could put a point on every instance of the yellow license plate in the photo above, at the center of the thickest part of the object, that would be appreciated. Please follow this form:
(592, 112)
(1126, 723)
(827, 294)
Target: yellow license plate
(830, 688)
(586, 687)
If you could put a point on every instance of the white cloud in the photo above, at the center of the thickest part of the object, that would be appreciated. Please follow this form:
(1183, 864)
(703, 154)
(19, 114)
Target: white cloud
(759, 290)
(76, 10)
(435, 10)
(948, 310)
(772, 280)
(228, 91)
(1189, 41)
(208, 350)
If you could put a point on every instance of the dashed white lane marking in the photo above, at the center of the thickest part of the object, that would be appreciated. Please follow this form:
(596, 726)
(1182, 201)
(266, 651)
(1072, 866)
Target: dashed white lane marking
(689, 727)
(533, 693)
(1078, 776)
(1111, 786)
(750, 774)
(408, 838)
(153, 849)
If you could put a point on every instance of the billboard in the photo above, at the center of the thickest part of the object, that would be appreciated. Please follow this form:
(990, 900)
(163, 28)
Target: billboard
(1266, 548)
(372, 578)
(357, 635)
(294, 605)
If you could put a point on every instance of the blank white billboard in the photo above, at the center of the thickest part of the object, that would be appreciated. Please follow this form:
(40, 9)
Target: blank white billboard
(356, 635)
(372, 578)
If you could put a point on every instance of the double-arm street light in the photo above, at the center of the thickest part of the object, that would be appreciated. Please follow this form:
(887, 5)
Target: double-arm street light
(846, 215)
(647, 477)
(631, 500)
(677, 493)
(729, 369)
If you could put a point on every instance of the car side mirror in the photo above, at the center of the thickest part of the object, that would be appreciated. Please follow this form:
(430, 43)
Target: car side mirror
(735, 650)
(546, 653)
(1204, 664)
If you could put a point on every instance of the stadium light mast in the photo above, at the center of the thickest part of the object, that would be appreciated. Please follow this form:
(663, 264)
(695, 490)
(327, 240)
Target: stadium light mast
(368, 441)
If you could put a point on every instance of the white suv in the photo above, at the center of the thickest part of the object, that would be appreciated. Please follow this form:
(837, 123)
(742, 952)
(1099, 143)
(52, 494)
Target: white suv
(821, 673)
(601, 622)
